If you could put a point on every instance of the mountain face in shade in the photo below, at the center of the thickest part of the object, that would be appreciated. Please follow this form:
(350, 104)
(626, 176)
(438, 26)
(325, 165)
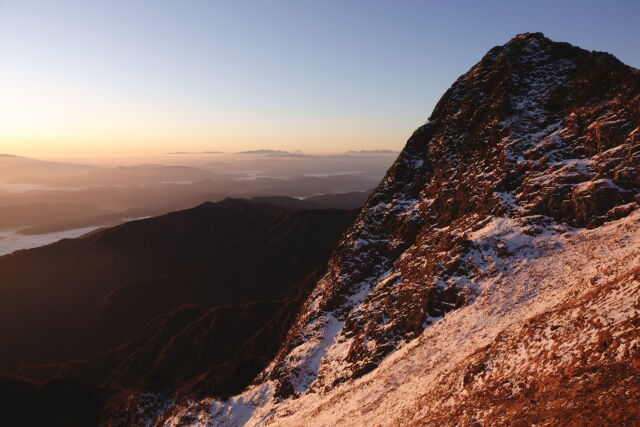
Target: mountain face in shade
(202, 295)
(492, 277)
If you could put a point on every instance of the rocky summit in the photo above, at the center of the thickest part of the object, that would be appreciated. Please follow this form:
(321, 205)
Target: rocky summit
(492, 277)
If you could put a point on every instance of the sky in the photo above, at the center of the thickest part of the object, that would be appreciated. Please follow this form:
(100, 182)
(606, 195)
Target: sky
(145, 77)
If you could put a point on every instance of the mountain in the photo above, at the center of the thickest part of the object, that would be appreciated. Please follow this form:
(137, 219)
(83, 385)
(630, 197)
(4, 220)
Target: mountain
(348, 200)
(493, 276)
(269, 152)
(197, 152)
(289, 202)
(20, 169)
(372, 152)
(202, 297)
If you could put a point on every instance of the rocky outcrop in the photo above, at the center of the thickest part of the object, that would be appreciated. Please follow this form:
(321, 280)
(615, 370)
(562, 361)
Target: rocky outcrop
(540, 131)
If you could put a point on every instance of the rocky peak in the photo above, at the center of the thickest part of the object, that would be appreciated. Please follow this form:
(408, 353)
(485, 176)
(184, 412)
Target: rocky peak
(543, 133)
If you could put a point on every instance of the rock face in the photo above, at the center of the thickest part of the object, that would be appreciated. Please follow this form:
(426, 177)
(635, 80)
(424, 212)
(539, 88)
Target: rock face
(537, 141)
(540, 131)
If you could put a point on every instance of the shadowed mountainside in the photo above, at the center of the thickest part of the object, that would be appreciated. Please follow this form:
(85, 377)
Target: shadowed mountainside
(201, 296)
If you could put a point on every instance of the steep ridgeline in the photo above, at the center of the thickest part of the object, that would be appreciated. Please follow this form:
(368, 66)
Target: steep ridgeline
(538, 130)
(538, 144)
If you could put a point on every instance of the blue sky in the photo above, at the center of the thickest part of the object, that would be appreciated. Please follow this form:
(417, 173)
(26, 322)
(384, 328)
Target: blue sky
(145, 77)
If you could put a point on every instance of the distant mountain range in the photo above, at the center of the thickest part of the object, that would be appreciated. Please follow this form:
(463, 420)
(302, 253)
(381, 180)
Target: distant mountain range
(267, 152)
(14, 168)
(270, 152)
(38, 197)
(197, 152)
(373, 152)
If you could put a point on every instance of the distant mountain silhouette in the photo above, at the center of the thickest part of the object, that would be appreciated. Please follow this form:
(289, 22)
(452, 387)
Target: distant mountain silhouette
(266, 151)
(372, 152)
(348, 200)
(197, 152)
(14, 168)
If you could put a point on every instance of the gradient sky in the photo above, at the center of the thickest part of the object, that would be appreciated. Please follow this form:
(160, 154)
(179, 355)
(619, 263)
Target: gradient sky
(145, 77)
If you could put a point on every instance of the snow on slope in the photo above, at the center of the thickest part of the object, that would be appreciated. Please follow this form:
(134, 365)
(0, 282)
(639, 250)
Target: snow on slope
(559, 275)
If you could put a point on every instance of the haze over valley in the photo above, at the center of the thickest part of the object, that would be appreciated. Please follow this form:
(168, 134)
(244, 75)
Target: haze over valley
(43, 201)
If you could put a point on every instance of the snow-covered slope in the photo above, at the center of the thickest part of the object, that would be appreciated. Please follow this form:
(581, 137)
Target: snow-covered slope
(558, 311)
(505, 227)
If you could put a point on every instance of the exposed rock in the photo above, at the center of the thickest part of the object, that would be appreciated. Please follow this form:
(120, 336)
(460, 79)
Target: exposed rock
(536, 128)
